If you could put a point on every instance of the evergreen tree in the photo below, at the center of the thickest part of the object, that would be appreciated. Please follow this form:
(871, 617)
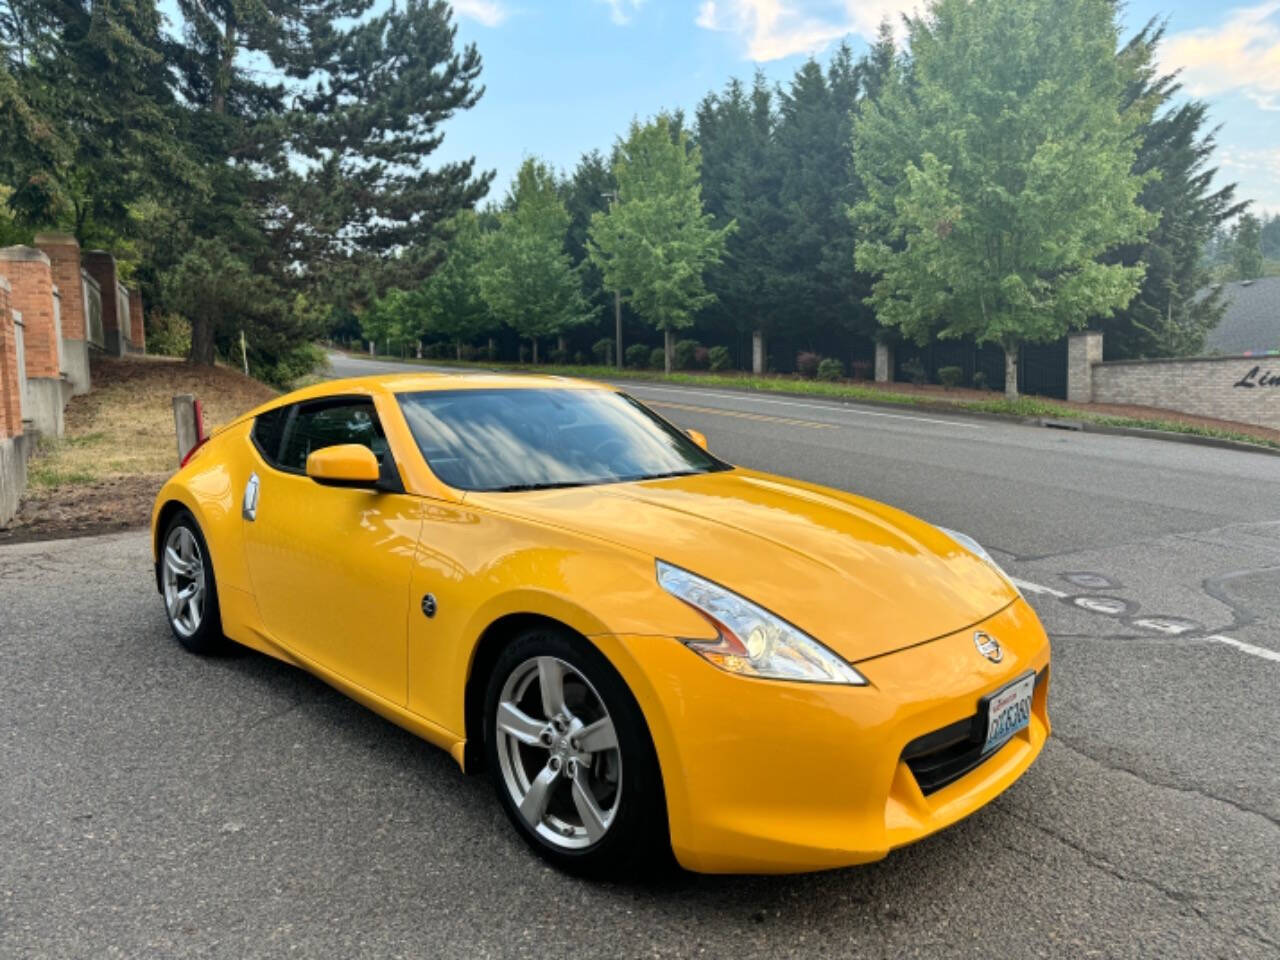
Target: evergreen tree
(741, 175)
(589, 191)
(998, 172)
(1246, 247)
(1171, 314)
(657, 242)
(526, 277)
(1270, 237)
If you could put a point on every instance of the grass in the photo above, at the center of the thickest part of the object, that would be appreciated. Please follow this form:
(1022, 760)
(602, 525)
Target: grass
(124, 426)
(997, 404)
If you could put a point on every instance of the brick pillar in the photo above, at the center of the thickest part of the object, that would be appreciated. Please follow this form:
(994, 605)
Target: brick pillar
(884, 363)
(1084, 349)
(10, 401)
(102, 267)
(139, 335)
(64, 263)
(31, 294)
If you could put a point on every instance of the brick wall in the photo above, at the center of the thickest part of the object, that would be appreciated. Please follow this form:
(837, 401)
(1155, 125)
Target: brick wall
(1244, 389)
(64, 264)
(102, 267)
(31, 294)
(10, 405)
(139, 335)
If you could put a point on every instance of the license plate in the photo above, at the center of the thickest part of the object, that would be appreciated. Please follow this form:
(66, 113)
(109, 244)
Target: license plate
(1008, 711)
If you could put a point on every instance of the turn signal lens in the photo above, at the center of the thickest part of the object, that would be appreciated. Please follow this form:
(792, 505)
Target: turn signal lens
(752, 641)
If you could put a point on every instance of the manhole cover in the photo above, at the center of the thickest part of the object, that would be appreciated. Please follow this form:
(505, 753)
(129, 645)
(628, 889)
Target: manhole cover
(1108, 606)
(1090, 581)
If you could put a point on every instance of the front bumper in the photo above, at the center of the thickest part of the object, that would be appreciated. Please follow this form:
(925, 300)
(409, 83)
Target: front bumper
(764, 776)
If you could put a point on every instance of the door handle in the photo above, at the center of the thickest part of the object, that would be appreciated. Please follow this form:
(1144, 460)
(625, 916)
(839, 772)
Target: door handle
(249, 505)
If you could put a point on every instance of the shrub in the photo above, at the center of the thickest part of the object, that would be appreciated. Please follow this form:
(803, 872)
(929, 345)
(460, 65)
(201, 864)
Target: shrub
(637, 355)
(439, 351)
(807, 364)
(950, 376)
(914, 370)
(468, 352)
(580, 358)
(169, 334)
(830, 369)
(863, 369)
(685, 354)
(702, 358)
(602, 351)
(558, 356)
(718, 359)
(658, 359)
(979, 380)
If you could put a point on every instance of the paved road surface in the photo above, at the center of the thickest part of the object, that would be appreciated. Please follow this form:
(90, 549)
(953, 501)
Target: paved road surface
(154, 804)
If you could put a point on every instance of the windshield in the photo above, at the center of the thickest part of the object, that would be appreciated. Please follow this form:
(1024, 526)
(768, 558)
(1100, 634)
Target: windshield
(527, 439)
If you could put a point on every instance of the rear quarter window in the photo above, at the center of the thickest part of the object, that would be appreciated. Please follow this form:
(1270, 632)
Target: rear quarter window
(268, 433)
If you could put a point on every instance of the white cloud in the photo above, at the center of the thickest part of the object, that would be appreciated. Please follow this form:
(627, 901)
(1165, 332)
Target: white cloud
(620, 11)
(489, 13)
(772, 29)
(1257, 172)
(1241, 55)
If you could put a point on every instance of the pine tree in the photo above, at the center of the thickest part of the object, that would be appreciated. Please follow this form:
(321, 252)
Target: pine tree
(1171, 314)
(1246, 247)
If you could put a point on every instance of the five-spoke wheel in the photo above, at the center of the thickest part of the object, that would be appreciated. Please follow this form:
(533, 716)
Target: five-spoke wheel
(571, 756)
(186, 581)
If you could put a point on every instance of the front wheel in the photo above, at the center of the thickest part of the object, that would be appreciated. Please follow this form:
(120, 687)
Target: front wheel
(571, 758)
(189, 589)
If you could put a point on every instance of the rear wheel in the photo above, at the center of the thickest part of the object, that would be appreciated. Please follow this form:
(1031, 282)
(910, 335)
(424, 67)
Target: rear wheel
(187, 583)
(571, 758)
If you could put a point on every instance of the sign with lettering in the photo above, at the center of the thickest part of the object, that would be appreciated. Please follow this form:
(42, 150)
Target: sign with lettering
(1256, 378)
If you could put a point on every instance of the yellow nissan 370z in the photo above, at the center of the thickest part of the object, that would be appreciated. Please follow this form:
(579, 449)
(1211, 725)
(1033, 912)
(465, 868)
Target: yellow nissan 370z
(648, 650)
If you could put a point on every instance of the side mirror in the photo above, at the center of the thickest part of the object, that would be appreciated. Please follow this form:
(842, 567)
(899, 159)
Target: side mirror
(344, 465)
(698, 437)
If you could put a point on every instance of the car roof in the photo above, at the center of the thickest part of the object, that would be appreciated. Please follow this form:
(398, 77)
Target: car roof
(424, 381)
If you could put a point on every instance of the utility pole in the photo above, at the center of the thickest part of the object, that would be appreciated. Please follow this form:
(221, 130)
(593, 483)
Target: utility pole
(612, 195)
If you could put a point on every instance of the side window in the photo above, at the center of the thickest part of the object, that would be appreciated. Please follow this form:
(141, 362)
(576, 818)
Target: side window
(327, 424)
(268, 433)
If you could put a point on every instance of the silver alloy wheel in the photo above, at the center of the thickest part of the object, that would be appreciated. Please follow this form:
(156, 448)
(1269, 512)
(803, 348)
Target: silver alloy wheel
(559, 754)
(184, 587)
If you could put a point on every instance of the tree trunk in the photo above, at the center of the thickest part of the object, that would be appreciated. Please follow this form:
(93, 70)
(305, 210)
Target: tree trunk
(562, 344)
(1011, 372)
(493, 350)
(419, 353)
(666, 350)
(535, 350)
(201, 342)
(617, 320)
(757, 351)
(457, 348)
(373, 348)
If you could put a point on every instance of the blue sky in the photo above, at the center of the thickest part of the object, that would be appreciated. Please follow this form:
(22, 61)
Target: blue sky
(564, 76)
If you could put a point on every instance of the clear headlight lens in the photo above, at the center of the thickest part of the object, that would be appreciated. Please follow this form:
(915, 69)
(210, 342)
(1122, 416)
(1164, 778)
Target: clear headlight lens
(974, 546)
(752, 641)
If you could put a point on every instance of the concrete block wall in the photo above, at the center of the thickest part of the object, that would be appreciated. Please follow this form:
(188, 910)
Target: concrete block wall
(1084, 349)
(1243, 389)
(64, 265)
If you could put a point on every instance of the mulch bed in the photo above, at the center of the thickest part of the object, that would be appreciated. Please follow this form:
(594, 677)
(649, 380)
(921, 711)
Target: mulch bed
(104, 506)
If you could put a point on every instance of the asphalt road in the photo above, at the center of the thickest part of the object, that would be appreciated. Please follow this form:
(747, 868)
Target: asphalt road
(156, 804)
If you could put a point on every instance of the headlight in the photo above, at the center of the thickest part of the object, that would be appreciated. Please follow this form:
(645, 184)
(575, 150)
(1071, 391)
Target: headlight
(974, 546)
(752, 641)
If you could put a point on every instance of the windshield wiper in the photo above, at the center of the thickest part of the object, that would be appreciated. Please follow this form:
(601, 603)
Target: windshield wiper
(516, 487)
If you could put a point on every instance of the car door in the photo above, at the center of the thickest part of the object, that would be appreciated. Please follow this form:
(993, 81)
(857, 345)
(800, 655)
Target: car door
(330, 565)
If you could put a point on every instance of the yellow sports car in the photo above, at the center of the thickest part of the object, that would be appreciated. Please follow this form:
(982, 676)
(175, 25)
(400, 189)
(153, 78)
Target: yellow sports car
(649, 650)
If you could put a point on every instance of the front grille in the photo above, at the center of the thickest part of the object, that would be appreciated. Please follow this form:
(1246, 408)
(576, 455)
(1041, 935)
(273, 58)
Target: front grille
(945, 755)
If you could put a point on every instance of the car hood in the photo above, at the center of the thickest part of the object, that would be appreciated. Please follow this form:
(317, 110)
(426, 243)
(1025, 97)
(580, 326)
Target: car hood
(862, 577)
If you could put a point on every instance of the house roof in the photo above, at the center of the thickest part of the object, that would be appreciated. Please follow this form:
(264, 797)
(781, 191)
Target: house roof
(1251, 323)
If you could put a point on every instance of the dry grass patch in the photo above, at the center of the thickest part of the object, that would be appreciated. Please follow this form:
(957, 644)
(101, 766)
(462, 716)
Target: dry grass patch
(119, 445)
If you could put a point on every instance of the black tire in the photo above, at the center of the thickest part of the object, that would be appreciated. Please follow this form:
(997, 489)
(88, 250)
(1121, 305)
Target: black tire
(637, 841)
(206, 638)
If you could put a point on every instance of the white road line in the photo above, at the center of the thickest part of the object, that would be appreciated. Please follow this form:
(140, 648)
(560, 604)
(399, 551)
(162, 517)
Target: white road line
(1248, 648)
(699, 392)
(1027, 586)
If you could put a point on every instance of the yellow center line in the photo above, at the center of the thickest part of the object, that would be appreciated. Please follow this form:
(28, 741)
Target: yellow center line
(812, 424)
